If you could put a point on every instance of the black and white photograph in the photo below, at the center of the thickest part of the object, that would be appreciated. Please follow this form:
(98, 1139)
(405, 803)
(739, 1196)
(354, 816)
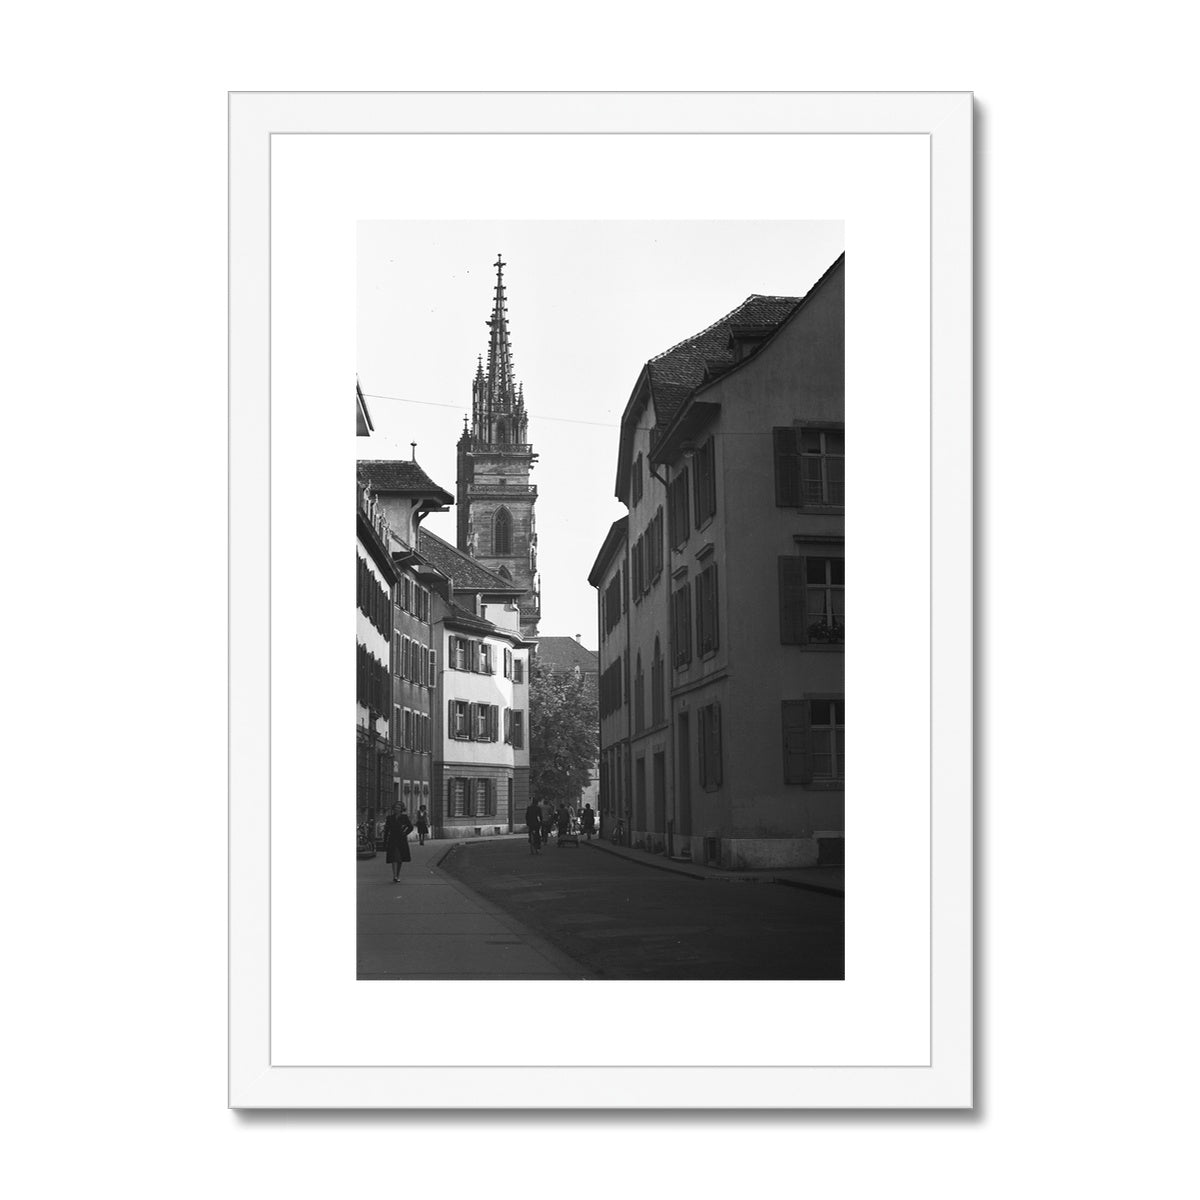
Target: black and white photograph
(601, 600)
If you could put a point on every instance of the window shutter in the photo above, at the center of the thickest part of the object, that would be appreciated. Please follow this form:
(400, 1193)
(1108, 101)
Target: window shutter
(711, 480)
(787, 468)
(714, 636)
(494, 722)
(797, 743)
(793, 623)
(684, 531)
(471, 708)
(433, 668)
(717, 763)
(450, 730)
(507, 725)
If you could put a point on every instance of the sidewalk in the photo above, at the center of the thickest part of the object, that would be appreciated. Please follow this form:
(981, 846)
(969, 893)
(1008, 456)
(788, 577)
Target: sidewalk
(831, 880)
(429, 926)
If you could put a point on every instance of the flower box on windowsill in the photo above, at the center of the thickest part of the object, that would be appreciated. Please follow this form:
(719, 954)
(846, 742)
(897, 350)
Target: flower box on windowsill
(826, 633)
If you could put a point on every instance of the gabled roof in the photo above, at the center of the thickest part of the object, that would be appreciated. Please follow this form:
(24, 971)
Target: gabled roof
(693, 408)
(461, 569)
(669, 378)
(675, 372)
(400, 476)
(563, 653)
(617, 533)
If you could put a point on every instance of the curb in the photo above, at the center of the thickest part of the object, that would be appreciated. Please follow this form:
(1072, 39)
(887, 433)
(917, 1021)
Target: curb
(810, 887)
(657, 866)
(731, 878)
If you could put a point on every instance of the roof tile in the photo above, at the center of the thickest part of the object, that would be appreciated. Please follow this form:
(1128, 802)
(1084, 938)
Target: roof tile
(398, 475)
(461, 569)
(676, 372)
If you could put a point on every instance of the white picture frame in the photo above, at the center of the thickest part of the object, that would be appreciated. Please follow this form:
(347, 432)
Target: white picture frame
(942, 124)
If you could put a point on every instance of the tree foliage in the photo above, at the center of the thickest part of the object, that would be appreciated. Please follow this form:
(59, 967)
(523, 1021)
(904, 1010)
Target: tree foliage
(564, 729)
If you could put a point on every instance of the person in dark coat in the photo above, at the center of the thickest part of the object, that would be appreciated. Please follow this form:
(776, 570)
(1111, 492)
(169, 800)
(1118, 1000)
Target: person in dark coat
(533, 822)
(422, 824)
(547, 822)
(395, 839)
(588, 817)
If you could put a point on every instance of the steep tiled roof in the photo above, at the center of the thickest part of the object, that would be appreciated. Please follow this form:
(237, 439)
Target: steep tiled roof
(399, 475)
(676, 372)
(464, 616)
(617, 533)
(563, 653)
(462, 570)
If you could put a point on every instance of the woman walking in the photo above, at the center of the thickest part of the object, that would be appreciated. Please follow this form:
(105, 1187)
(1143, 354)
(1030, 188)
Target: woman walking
(395, 838)
(422, 824)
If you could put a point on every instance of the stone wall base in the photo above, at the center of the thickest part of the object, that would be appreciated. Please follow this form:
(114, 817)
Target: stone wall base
(486, 827)
(755, 854)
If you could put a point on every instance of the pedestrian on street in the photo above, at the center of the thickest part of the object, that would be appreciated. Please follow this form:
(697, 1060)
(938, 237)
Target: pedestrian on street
(422, 824)
(395, 837)
(547, 811)
(533, 822)
(564, 820)
(589, 821)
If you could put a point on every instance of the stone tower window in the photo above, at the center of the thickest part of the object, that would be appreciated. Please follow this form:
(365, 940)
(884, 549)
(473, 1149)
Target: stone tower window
(502, 532)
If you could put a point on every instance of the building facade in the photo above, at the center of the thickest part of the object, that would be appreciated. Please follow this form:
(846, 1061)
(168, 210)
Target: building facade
(480, 779)
(402, 495)
(736, 439)
(610, 577)
(496, 498)
(374, 584)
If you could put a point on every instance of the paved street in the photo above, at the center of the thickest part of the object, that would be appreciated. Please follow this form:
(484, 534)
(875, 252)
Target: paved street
(623, 920)
(430, 926)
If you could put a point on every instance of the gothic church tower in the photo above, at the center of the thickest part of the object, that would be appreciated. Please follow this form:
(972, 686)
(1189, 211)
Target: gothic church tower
(495, 458)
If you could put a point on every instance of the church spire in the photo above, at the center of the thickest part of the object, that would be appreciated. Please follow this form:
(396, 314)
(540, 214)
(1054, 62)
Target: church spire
(499, 372)
(498, 408)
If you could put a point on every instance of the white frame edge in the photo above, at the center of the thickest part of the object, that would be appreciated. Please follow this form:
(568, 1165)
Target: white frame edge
(946, 118)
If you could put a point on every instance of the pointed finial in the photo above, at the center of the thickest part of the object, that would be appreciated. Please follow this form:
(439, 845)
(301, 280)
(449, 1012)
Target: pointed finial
(414, 450)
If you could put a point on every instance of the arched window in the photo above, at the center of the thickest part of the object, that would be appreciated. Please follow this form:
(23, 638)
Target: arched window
(502, 532)
(502, 431)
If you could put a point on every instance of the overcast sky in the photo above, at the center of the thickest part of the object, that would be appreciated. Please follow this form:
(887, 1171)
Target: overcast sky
(588, 303)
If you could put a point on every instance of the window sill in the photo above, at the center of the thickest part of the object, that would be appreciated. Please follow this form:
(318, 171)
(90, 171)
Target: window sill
(823, 647)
